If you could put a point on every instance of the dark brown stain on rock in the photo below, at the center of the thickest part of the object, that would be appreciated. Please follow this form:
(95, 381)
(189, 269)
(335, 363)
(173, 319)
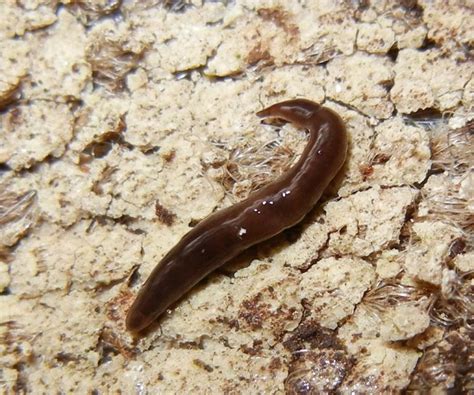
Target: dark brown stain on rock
(164, 215)
(280, 18)
(259, 54)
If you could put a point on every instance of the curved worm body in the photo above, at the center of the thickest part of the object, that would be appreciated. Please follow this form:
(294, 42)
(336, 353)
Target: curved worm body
(265, 213)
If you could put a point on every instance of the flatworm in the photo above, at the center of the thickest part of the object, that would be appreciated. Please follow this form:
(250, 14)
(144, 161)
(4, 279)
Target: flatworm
(265, 213)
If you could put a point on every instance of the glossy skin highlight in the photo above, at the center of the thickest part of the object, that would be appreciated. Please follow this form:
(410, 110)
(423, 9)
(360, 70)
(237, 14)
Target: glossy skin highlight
(265, 213)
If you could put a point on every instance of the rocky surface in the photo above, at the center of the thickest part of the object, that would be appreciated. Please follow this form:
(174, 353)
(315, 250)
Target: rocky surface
(122, 123)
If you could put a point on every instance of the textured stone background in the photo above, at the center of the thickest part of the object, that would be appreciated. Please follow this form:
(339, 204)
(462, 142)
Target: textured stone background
(122, 123)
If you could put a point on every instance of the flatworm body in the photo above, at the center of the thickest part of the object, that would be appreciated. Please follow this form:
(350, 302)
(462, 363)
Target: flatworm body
(265, 213)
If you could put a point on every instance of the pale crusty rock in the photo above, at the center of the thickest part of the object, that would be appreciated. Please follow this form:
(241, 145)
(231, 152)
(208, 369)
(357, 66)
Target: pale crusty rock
(124, 185)
(109, 187)
(130, 177)
(407, 95)
(218, 368)
(430, 336)
(200, 196)
(231, 127)
(436, 186)
(14, 61)
(408, 37)
(393, 18)
(362, 336)
(153, 115)
(274, 37)
(279, 83)
(13, 347)
(4, 276)
(388, 264)
(405, 320)
(113, 51)
(247, 41)
(13, 70)
(18, 214)
(449, 24)
(468, 95)
(326, 29)
(188, 43)
(44, 266)
(301, 253)
(465, 262)
(370, 14)
(361, 134)
(418, 86)
(181, 323)
(50, 308)
(387, 12)
(424, 260)
(240, 310)
(57, 70)
(40, 129)
(462, 115)
(44, 330)
(400, 154)
(9, 376)
(9, 90)
(369, 94)
(333, 287)
(391, 154)
(449, 91)
(137, 79)
(367, 221)
(231, 55)
(69, 195)
(73, 191)
(374, 38)
(397, 366)
(21, 17)
(184, 41)
(270, 306)
(96, 119)
(70, 376)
